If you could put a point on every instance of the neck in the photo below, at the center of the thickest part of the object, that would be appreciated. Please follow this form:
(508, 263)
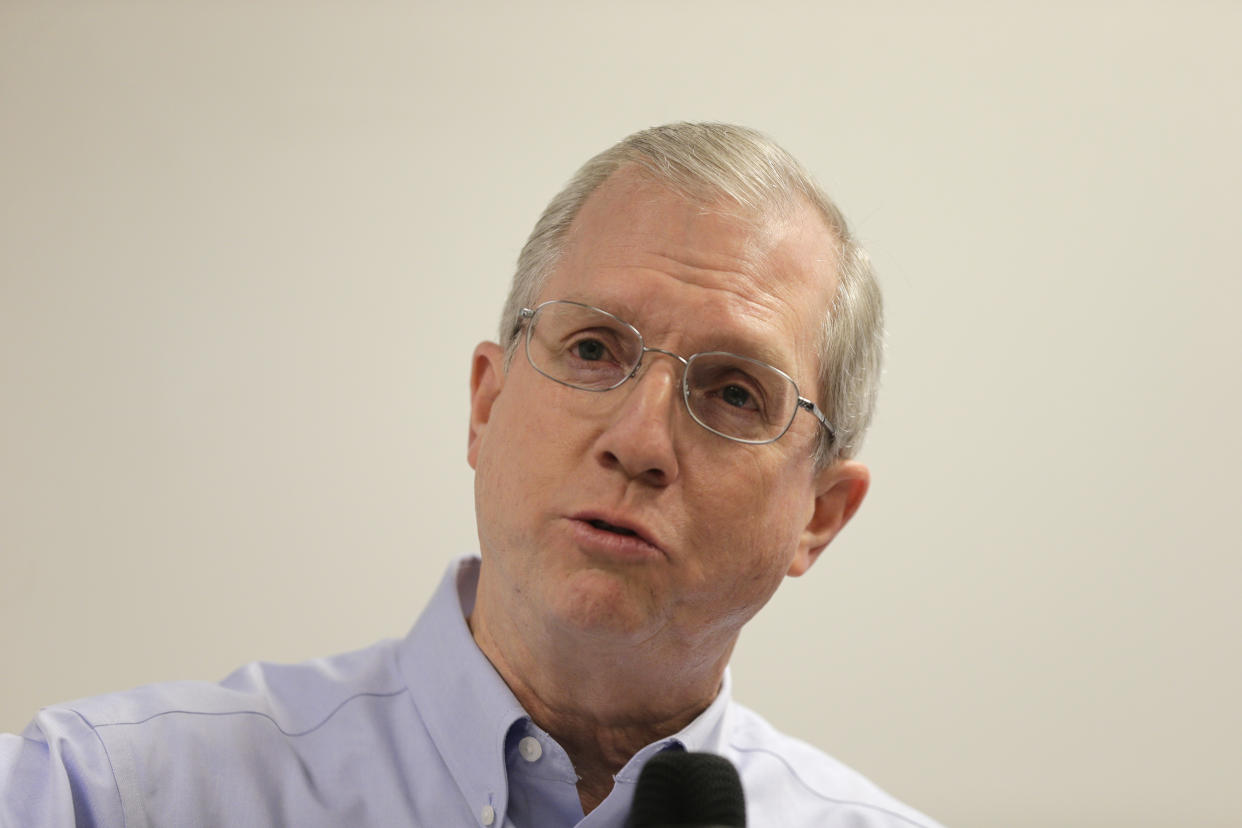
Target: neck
(602, 701)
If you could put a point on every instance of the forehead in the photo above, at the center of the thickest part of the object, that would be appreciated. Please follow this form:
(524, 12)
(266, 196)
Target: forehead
(699, 277)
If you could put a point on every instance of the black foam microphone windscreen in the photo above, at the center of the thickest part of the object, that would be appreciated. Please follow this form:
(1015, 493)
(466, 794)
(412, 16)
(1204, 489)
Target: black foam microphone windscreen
(677, 789)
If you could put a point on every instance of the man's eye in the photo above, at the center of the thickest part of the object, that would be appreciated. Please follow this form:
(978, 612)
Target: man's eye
(737, 396)
(589, 349)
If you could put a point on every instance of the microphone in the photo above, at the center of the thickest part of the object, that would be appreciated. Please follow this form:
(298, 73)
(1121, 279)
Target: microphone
(677, 789)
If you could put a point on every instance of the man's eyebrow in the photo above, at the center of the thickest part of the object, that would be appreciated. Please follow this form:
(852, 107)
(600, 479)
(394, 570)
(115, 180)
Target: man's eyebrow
(728, 341)
(747, 347)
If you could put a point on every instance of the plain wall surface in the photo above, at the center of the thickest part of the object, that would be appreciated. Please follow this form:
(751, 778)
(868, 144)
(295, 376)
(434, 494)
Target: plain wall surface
(246, 250)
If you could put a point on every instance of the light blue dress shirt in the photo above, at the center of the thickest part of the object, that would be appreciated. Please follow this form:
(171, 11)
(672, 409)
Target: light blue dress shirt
(419, 732)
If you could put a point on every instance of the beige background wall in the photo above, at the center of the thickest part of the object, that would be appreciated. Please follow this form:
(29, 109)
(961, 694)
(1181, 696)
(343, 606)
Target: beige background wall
(245, 252)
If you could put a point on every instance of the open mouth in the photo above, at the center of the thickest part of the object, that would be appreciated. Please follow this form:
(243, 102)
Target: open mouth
(608, 527)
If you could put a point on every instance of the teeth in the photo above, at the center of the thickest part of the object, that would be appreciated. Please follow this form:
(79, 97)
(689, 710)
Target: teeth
(608, 527)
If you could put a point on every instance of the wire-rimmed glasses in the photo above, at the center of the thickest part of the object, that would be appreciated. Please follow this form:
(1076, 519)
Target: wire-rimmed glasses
(737, 397)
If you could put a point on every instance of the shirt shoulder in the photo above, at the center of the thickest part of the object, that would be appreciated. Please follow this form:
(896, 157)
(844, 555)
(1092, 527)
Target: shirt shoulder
(789, 782)
(292, 698)
(176, 752)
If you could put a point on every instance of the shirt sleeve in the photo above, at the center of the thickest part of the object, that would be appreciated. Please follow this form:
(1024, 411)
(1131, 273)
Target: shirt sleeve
(57, 774)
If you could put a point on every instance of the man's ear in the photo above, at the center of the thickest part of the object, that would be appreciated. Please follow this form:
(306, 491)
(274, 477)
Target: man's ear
(839, 491)
(487, 377)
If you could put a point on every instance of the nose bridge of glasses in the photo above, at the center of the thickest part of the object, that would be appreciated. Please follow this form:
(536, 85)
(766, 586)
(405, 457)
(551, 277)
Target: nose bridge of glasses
(647, 350)
(677, 378)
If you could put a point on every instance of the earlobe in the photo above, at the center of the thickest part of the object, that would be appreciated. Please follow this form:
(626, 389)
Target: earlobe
(487, 377)
(839, 492)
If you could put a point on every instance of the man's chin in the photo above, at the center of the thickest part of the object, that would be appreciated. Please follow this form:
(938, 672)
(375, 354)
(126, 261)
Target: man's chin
(606, 605)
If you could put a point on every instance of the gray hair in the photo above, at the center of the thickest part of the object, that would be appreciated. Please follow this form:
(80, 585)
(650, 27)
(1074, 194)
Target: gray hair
(711, 163)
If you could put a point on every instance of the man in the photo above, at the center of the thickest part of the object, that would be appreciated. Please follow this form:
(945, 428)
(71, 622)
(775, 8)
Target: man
(687, 364)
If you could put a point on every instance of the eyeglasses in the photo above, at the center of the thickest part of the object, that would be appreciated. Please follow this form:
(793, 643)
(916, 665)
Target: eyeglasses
(734, 396)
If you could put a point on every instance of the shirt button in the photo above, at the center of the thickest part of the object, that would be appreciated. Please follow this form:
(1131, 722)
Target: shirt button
(530, 749)
(488, 815)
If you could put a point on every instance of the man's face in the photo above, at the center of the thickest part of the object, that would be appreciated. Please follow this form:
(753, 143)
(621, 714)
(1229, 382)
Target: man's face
(708, 527)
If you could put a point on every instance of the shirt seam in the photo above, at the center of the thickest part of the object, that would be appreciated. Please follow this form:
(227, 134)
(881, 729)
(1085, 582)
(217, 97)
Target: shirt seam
(116, 786)
(259, 713)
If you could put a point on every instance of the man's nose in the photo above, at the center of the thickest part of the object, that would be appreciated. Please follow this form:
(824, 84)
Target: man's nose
(639, 439)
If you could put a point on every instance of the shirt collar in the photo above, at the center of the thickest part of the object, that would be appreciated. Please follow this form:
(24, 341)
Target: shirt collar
(464, 703)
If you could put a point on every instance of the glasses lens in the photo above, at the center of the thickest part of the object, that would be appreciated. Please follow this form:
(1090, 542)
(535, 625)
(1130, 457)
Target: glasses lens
(582, 346)
(740, 398)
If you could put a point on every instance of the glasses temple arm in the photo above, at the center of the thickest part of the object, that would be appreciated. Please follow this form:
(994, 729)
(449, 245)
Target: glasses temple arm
(803, 402)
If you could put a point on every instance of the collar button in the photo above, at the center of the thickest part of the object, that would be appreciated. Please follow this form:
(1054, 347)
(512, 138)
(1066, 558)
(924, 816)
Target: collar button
(530, 749)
